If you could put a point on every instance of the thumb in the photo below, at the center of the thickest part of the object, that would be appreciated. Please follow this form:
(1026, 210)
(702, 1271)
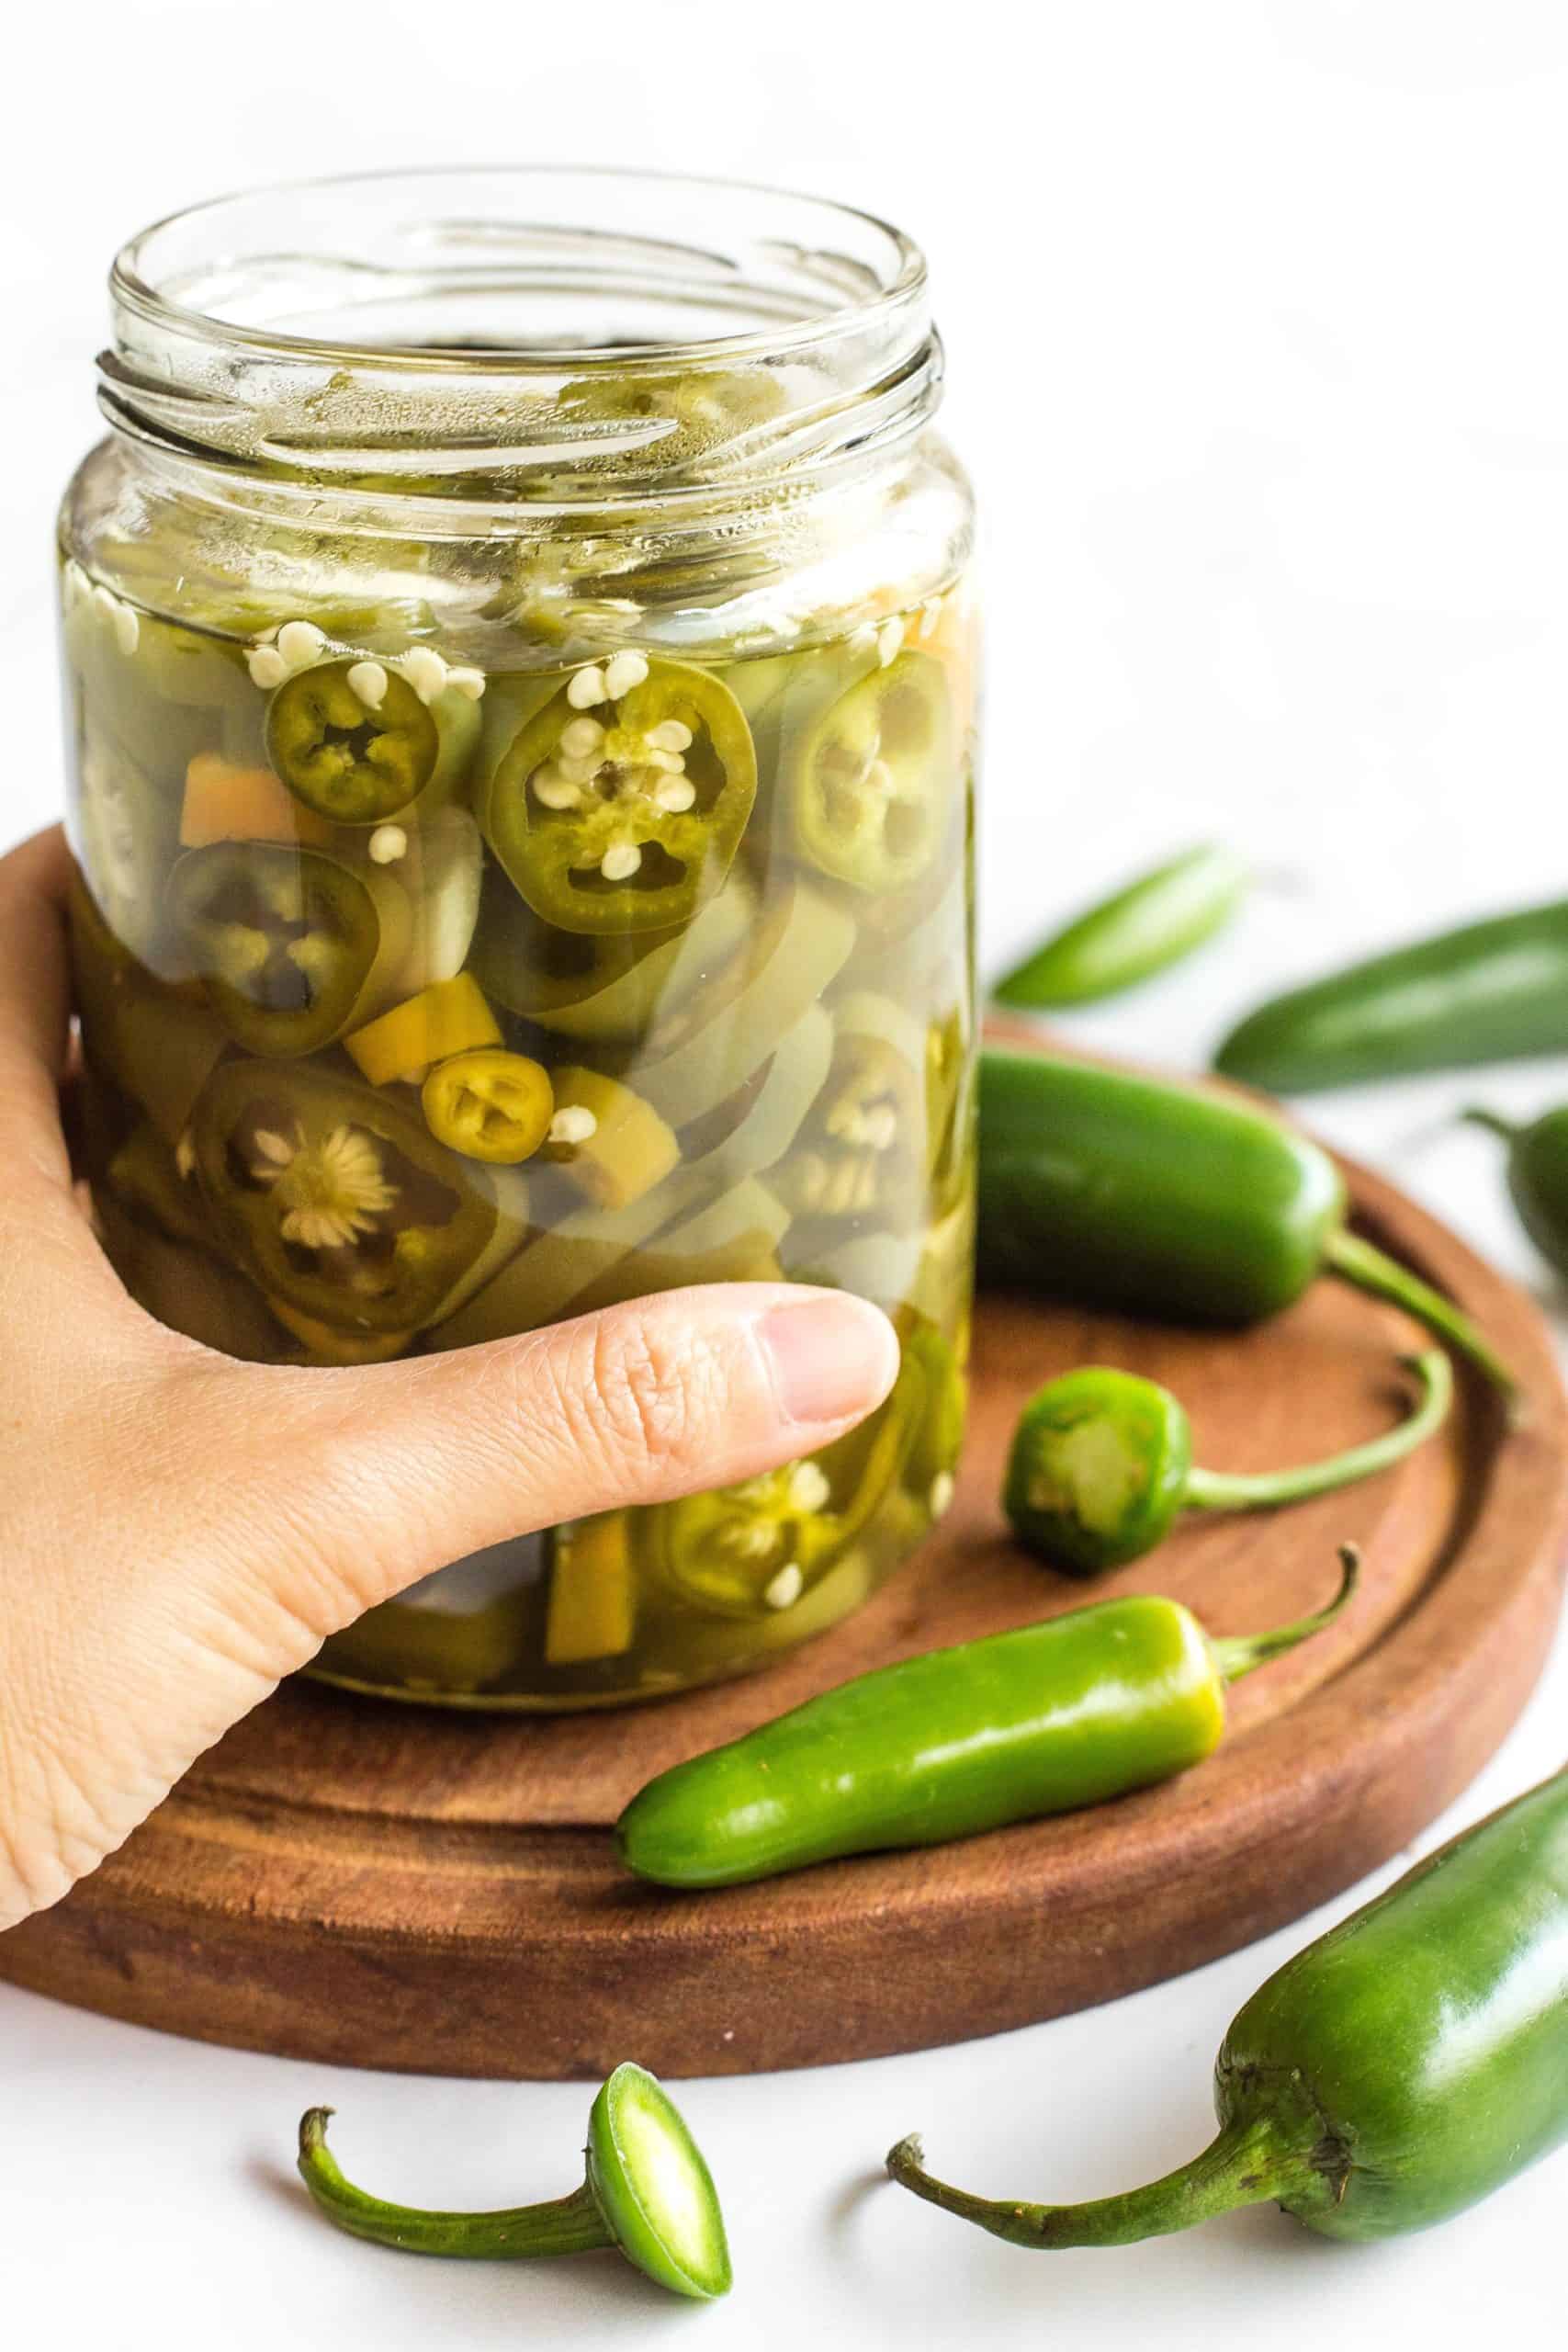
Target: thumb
(399, 1468)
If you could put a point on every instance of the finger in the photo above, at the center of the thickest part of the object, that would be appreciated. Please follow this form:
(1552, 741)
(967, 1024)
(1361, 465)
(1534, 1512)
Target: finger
(35, 1002)
(55, 1282)
(392, 1471)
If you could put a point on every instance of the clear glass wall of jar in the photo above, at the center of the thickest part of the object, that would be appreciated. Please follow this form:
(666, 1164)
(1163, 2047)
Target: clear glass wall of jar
(520, 687)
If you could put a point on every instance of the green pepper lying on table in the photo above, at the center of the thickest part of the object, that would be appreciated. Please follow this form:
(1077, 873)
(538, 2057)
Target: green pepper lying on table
(1492, 991)
(1400, 2069)
(647, 2193)
(1042, 1720)
(1144, 929)
(1102, 1464)
(1537, 1177)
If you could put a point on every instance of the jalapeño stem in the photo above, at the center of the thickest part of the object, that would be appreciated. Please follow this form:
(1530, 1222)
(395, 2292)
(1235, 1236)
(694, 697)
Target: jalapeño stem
(1247, 2164)
(567, 2225)
(1220, 1490)
(1477, 1115)
(1236, 1655)
(1373, 1270)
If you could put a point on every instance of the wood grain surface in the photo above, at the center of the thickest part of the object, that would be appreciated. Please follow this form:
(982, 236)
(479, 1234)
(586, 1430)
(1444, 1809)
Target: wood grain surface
(364, 1883)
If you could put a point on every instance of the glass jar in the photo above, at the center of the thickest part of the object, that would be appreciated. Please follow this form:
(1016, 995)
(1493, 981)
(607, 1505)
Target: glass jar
(520, 686)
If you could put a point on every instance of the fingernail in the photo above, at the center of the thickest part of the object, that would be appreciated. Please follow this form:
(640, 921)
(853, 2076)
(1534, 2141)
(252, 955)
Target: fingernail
(832, 1357)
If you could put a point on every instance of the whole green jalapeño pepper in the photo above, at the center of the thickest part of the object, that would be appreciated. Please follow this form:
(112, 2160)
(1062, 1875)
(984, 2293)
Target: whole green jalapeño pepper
(291, 944)
(1101, 1464)
(619, 803)
(334, 1197)
(1116, 1190)
(646, 2192)
(1493, 991)
(1398, 2070)
(1537, 1177)
(1144, 929)
(1055, 1715)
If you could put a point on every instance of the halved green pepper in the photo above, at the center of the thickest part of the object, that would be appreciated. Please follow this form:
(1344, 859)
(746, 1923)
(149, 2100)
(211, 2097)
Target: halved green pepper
(871, 779)
(619, 804)
(647, 2193)
(334, 1197)
(1102, 1464)
(291, 944)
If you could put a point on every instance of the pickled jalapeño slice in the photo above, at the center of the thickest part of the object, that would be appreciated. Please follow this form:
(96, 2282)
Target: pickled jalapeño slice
(618, 806)
(871, 777)
(351, 740)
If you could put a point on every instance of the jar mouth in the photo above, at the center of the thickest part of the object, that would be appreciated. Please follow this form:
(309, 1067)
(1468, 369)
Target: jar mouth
(468, 323)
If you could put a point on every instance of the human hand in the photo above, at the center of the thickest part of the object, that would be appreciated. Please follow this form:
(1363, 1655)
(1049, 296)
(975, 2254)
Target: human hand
(183, 1530)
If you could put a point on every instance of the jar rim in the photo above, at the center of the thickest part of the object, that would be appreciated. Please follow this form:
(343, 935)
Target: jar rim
(134, 274)
(522, 330)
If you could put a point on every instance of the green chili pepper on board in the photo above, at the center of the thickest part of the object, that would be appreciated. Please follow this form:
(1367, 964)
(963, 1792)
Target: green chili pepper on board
(1401, 2069)
(1116, 1190)
(647, 2193)
(1064, 1713)
(1144, 929)
(1537, 1177)
(1493, 991)
(1101, 1464)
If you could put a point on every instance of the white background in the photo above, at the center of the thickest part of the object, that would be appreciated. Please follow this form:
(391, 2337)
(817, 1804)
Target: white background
(1255, 318)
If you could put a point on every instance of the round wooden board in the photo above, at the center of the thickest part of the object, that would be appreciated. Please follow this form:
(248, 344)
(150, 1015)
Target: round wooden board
(370, 1884)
